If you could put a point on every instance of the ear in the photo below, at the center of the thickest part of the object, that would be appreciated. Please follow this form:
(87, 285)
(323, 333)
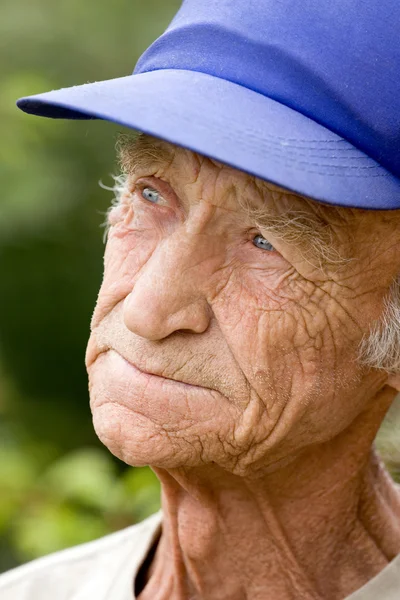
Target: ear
(394, 382)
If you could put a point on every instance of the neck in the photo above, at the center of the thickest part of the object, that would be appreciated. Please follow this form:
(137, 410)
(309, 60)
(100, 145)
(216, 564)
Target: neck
(318, 528)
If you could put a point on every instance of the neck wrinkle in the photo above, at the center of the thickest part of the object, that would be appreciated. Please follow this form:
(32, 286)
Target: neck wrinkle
(318, 528)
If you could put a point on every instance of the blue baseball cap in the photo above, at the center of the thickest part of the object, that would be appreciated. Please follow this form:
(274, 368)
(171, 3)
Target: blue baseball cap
(302, 94)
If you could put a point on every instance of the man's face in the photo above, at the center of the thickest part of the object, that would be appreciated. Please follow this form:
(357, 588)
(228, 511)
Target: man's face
(228, 322)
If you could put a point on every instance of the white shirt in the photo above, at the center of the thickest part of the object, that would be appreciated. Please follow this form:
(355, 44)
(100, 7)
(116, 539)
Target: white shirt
(107, 568)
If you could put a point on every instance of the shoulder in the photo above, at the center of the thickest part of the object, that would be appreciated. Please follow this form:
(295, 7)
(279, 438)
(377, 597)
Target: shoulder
(64, 575)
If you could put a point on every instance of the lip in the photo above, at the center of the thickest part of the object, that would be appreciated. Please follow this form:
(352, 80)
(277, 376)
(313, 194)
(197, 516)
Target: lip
(156, 375)
(130, 371)
(114, 380)
(94, 353)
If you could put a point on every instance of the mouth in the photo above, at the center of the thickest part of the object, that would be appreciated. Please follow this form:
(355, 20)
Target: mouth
(193, 368)
(151, 376)
(114, 380)
(123, 395)
(158, 376)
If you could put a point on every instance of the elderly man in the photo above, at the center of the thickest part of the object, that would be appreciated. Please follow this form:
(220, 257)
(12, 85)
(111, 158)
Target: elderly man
(246, 339)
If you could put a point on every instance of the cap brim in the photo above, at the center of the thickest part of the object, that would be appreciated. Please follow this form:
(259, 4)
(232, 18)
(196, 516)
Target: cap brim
(234, 125)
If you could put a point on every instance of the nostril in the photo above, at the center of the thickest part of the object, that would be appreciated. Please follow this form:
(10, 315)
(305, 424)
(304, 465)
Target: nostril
(199, 329)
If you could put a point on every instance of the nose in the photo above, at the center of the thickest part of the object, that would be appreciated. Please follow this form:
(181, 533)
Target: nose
(167, 294)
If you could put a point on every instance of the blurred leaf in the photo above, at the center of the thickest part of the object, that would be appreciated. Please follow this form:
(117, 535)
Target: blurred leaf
(17, 476)
(87, 476)
(53, 527)
(142, 489)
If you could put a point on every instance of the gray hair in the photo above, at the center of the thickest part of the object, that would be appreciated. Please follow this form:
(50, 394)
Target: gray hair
(380, 348)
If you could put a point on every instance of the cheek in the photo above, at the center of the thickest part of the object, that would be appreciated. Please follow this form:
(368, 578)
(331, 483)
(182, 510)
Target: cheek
(252, 305)
(305, 391)
(260, 327)
(279, 330)
(126, 253)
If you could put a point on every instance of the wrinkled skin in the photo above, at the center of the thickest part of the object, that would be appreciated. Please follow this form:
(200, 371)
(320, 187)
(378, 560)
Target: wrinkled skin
(232, 370)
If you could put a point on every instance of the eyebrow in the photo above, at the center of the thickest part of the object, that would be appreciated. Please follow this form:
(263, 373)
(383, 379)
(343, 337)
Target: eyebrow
(308, 226)
(309, 229)
(142, 153)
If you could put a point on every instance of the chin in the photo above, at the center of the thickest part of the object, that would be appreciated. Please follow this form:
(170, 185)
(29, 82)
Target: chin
(138, 442)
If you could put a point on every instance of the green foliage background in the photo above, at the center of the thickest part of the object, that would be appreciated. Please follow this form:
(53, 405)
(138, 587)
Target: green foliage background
(58, 485)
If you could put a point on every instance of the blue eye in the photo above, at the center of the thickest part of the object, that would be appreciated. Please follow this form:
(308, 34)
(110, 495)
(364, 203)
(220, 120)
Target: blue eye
(151, 195)
(260, 242)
